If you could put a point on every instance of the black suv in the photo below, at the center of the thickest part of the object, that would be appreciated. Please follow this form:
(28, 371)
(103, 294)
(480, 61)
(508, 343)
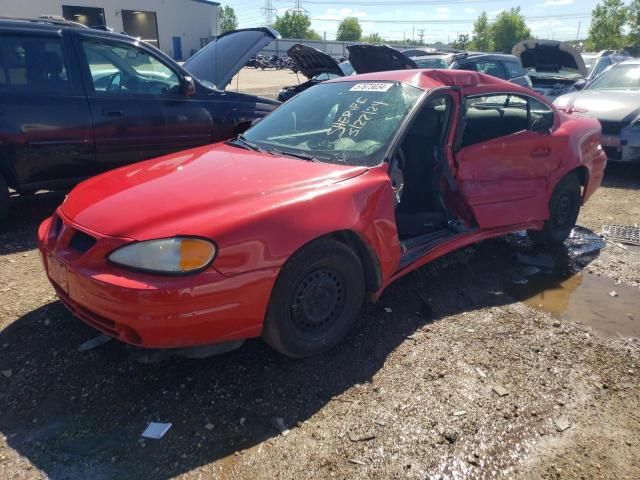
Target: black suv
(77, 101)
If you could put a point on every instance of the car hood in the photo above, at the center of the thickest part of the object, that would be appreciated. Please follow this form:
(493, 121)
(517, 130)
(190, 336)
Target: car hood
(549, 56)
(610, 105)
(312, 62)
(210, 185)
(378, 58)
(220, 60)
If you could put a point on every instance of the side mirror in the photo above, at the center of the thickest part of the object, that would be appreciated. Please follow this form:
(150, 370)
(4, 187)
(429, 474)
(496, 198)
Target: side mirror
(188, 86)
(580, 84)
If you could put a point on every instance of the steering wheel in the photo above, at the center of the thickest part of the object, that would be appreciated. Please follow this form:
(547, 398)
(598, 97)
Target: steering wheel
(112, 86)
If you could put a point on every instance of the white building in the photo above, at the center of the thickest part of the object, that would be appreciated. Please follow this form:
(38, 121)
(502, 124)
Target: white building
(178, 27)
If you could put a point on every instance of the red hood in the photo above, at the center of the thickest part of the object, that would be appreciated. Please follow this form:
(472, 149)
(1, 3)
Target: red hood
(162, 197)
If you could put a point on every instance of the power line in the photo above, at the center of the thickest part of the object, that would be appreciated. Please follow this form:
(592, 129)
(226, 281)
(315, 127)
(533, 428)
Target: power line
(268, 11)
(472, 20)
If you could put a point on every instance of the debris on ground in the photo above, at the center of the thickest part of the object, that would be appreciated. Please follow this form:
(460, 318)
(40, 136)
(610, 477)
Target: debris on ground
(562, 424)
(518, 279)
(209, 426)
(388, 309)
(481, 373)
(362, 438)
(613, 293)
(459, 413)
(356, 462)
(629, 234)
(155, 430)
(7, 373)
(94, 342)
(500, 390)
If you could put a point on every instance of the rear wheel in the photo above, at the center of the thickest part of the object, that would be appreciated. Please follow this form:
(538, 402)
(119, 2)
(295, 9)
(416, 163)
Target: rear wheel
(564, 208)
(4, 199)
(316, 299)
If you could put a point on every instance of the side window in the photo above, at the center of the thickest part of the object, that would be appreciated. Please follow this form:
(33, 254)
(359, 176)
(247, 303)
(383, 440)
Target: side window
(541, 117)
(32, 64)
(514, 69)
(493, 116)
(121, 69)
(493, 68)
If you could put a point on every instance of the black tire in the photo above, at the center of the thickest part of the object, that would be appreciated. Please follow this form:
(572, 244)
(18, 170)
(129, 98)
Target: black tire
(316, 299)
(4, 200)
(564, 208)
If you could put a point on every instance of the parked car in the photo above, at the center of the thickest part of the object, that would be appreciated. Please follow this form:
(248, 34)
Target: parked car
(317, 66)
(286, 230)
(614, 99)
(382, 57)
(596, 63)
(554, 67)
(76, 101)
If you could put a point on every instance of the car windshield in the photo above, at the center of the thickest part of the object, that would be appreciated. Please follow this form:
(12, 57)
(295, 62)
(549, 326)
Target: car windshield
(431, 62)
(621, 77)
(350, 123)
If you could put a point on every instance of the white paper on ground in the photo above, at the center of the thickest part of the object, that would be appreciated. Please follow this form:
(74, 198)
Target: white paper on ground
(156, 430)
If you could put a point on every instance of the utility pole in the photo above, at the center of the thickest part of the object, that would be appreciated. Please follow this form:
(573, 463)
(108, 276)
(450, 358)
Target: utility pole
(268, 11)
(413, 34)
(578, 34)
(421, 35)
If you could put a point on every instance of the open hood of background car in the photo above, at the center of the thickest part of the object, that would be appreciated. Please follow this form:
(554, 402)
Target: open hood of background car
(312, 62)
(378, 58)
(220, 60)
(549, 56)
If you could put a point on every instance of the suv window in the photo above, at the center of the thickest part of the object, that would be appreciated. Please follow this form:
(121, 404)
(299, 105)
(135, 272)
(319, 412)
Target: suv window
(32, 64)
(121, 69)
(514, 69)
(495, 116)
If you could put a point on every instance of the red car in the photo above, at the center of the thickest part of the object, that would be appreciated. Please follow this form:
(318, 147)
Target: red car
(286, 230)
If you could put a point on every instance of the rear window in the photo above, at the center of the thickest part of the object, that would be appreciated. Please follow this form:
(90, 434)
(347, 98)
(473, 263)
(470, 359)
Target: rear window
(32, 64)
(514, 69)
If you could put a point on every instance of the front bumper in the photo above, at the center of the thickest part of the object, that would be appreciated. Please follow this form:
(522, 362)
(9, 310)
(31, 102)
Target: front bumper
(622, 147)
(152, 311)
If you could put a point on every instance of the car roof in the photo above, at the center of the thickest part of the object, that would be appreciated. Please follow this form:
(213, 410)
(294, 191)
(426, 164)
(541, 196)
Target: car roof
(487, 56)
(428, 79)
(631, 61)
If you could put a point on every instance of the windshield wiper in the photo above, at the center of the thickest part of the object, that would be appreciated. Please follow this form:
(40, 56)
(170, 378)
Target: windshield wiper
(241, 141)
(302, 156)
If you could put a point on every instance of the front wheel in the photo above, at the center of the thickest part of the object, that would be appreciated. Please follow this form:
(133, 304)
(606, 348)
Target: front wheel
(564, 208)
(316, 299)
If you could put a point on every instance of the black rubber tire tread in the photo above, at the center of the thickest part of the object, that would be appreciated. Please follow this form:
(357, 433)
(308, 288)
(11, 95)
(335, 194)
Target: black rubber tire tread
(550, 236)
(4, 200)
(278, 330)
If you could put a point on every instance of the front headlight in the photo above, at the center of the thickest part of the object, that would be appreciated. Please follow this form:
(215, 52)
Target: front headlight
(176, 255)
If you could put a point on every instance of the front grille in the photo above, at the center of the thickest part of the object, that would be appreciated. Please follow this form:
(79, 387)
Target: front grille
(611, 128)
(81, 242)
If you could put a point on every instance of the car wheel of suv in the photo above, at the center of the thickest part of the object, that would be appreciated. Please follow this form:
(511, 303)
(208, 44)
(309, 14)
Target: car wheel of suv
(564, 208)
(316, 299)
(4, 199)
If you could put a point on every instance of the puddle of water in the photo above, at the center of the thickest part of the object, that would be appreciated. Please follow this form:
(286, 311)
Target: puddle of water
(584, 298)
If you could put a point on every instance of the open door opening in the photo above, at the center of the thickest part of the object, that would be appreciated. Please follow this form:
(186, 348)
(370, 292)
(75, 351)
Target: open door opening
(418, 173)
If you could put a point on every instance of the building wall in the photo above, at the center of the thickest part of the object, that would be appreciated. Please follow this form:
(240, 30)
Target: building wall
(191, 20)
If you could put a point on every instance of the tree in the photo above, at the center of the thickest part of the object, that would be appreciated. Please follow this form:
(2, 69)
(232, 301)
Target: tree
(633, 20)
(481, 36)
(293, 24)
(228, 19)
(312, 35)
(349, 30)
(462, 42)
(508, 29)
(607, 21)
(376, 38)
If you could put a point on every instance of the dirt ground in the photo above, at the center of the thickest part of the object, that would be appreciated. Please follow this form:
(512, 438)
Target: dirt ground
(448, 376)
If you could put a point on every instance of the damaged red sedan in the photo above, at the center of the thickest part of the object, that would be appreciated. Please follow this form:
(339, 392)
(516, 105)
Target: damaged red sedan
(285, 231)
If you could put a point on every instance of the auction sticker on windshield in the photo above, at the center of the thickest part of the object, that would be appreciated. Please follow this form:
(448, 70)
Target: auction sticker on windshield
(371, 87)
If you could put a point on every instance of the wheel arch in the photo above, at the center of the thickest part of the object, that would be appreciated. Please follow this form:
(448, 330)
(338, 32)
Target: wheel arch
(582, 174)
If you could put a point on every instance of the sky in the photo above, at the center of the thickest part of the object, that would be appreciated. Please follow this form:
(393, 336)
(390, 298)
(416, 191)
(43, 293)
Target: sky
(441, 20)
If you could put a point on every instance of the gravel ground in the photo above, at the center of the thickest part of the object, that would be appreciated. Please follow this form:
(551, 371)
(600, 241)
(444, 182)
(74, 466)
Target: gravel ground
(448, 376)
